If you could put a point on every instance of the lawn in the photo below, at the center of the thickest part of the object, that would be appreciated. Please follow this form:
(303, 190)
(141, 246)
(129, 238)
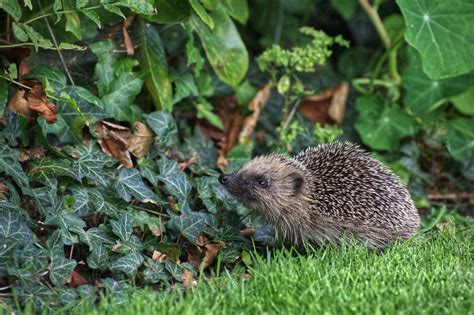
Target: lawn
(432, 274)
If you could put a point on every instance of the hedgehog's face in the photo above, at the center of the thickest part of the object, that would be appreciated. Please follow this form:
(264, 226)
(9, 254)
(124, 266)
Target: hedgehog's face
(266, 184)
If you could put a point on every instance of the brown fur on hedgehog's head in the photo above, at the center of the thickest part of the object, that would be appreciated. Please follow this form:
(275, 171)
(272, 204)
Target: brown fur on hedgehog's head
(272, 185)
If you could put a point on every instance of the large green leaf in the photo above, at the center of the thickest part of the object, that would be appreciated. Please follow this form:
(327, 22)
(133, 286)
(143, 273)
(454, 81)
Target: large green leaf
(12, 7)
(129, 183)
(179, 186)
(202, 13)
(224, 48)
(465, 102)
(13, 228)
(163, 125)
(55, 77)
(90, 164)
(10, 166)
(118, 102)
(128, 263)
(170, 11)
(424, 94)
(443, 32)
(238, 9)
(98, 257)
(153, 59)
(47, 171)
(382, 127)
(60, 270)
(460, 138)
(190, 225)
(123, 227)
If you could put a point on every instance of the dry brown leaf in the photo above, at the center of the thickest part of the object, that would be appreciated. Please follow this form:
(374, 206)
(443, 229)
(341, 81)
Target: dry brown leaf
(18, 104)
(126, 37)
(327, 107)
(188, 279)
(38, 102)
(201, 240)
(3, 192)
(158, 256)
(248, 232)
(140, 141)
(113, 140)
(30, 154)
(116, 246)
(256, 105)
(212, 249)
(76, 280)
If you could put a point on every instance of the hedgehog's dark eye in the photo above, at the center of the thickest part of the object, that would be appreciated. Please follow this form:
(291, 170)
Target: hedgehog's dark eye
(263, 183)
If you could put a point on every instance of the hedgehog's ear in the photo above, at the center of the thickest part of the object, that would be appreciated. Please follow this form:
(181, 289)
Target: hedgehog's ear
(298, 181)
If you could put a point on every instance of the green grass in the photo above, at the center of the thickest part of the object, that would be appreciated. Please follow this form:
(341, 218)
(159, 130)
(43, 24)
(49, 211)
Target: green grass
(432, 274)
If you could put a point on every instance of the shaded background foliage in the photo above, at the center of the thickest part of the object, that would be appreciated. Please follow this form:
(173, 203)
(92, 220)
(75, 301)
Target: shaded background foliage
(117, 117)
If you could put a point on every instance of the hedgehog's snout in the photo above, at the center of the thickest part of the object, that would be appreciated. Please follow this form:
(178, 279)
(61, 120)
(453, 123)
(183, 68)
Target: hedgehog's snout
(225, 179)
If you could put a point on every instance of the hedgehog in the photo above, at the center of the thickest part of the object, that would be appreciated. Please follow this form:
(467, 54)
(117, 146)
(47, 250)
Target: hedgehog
(327, 193)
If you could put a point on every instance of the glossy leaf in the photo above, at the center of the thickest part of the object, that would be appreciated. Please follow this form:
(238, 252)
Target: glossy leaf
(422, 93)
(13, 228)
(443, 32)
(238, 9)
(12, 7)
(163, 125)
(382, 127)
(465, 102)
(224, 48)
(153, 59)
(129, 183)
(9, 165)
(127, 264)
(202, 13)
(60, 270)
(190, 225)
(460, 138)
(123, 227)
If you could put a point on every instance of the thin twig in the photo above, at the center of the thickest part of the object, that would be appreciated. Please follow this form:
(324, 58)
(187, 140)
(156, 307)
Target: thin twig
(376, 21)
(292, 113)
(57, 46)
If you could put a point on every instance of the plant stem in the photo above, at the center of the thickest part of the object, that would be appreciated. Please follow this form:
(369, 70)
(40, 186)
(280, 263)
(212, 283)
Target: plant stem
(357, 83)
(376, 21)
(292, 114)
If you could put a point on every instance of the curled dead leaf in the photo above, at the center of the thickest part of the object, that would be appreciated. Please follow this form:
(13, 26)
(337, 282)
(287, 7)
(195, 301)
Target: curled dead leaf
(33, 101)
(30, 154)
(140, 141)
(256, 105)
(327, 107)
(113, 140)
(184, 165)
(188, 279)
(158, 256)
(76, 280)
(248, 232)
(201, 240)
(212, 249)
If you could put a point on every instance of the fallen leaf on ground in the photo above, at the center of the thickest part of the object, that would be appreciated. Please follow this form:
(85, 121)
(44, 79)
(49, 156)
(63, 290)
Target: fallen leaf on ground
(255, 106)
(248, 232)
(327, 107)
(113, 140)
(76, 280)
(30, 154)
(212, 249)
(188, 279)
(158, 256)
(140, 141)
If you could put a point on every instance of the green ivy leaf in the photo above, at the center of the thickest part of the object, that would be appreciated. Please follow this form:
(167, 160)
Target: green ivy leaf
(60, 270)
(123, 227)
(127, 264)
(382, 127)
(10, 166)
(19, 33)
(129, 183)
(47, 171)
(155, 273)
(443, 32)
(88, 110)
(52, 74)
(12, 7)
(93, 16)
(99, 235)
(37, 39)
(3, 94)
(190, 225)
(224, 48)
(153, 58)
(163, 125)
(424, 94)
(173, 269)
(185, 87)
(179, 186)
(238, 9)
(112, 8)
(13, 228)
(149, 170)
(204, 110)
(202, 13)
(142, 7)
(460, 138)
(98, 258)
(90, 164)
